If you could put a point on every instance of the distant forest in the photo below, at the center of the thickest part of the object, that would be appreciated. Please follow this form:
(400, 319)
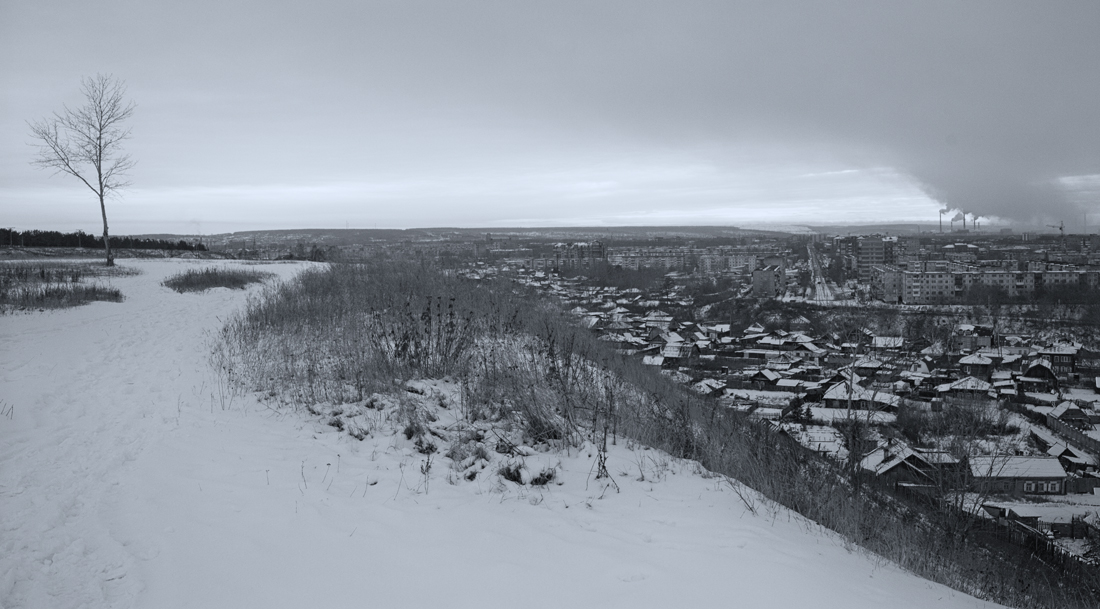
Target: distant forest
(49, 238)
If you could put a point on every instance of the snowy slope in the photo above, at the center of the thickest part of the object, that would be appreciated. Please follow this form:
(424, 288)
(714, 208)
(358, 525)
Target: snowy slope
(128, 478)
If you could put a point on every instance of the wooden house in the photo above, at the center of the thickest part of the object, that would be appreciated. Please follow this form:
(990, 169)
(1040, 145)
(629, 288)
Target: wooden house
(967, 388)
(896, 462)
(1070, 414)
(842, 394)
(1009, 475)
(976, 365)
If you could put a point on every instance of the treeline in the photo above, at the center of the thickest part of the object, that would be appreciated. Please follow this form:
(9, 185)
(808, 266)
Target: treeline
(1081, 294)
(49, 238)
(604, 275)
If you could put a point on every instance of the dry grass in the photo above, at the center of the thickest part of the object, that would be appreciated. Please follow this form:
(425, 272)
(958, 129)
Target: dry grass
(337, 335)
(56, 285)
(200, 280)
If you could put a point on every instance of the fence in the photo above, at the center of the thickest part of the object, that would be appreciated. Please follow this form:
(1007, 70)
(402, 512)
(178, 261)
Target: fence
(1087, 442)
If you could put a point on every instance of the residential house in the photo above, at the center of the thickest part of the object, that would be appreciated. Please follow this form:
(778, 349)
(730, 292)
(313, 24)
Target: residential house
(1062, 358)
(970, 337)
(1009, 475)
(1071, 414)
(887, 343)
(868, 366)
(896, 462)
(680, 354)
(1038, 375)
(800, 324)
(965, 389)
(841, 395)
(765, 378)
(712, 387)
(976, 365)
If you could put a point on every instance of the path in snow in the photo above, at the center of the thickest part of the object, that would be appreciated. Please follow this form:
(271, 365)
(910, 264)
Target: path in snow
(127, 480)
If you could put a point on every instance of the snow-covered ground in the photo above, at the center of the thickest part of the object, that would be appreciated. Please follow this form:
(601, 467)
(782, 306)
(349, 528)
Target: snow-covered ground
(129, 477)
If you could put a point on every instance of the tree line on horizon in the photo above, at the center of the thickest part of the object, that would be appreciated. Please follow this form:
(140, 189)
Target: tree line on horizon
(48, 238)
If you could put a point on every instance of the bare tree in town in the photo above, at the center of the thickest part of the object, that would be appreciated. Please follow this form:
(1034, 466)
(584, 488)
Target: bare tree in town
(86, 142)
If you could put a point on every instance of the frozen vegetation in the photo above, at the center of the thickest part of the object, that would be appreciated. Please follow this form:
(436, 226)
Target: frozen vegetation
(136, 473)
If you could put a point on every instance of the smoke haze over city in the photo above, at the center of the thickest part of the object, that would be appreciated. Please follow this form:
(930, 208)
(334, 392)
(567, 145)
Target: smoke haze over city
(333, 114)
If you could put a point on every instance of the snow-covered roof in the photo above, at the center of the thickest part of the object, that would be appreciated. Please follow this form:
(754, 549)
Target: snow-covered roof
(965, 384)
(883, 459)
(867, 362)
(849, 374)
(708, 386)
(840, 391)
(672, 337)
(934, 349)
(976, 360)
(1061, 450)
(888, 342)
(820, 438)
(1002, 466)
(770, 375)
(1045, 363)
(1063, 408)
(679, 350)
(1059, 350)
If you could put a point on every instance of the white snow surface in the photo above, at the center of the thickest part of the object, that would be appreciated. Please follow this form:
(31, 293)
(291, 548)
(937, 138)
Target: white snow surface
(128, 479)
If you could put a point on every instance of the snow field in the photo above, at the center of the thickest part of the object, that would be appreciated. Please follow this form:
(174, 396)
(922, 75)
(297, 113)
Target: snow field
(130, 478)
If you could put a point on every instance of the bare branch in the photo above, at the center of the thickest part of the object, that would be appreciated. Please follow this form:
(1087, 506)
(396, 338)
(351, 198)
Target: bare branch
(86, 142)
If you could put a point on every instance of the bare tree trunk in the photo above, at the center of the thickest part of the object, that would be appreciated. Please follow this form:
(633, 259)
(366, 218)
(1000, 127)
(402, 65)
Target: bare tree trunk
(86, 142)
(106, 237)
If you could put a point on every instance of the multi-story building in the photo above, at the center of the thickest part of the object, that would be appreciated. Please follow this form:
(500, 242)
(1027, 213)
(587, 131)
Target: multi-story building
(941, 281)
(650, 258)
(768, 282)
(960, 252)
(871, 251)
(713, 263)
(568, 256)
(710, 260)
(886, 283)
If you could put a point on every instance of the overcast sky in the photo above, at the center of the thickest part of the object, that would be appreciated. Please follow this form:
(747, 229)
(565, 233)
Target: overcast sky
(255, 115)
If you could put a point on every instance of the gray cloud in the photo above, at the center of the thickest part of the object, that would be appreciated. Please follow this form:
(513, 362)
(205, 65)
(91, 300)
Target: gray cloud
(990, 107)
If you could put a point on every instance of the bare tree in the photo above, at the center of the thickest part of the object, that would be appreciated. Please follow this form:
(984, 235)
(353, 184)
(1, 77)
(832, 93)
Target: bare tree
(86, 142)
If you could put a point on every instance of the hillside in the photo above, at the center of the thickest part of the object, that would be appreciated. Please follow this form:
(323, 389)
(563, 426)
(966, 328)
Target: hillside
(131, 476)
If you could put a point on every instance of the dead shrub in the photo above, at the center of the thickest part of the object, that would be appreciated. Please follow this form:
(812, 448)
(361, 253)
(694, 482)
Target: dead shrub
(512, 472)
(544, 477)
